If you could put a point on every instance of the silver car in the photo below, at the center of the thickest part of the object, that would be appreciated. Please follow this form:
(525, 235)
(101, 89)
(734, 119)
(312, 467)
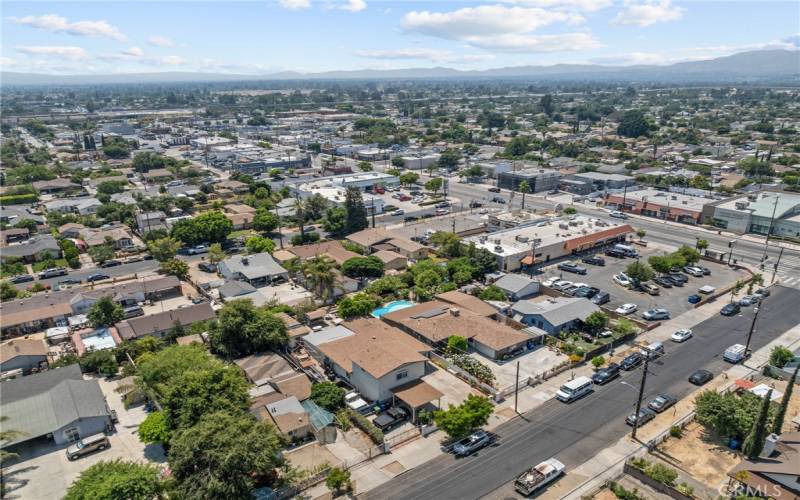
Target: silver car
(471, 443)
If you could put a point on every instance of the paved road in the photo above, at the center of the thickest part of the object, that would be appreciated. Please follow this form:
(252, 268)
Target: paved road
(122, 270)
(574, 433)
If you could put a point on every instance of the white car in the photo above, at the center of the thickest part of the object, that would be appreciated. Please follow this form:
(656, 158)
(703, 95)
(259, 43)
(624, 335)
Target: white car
(562, 285)
(625, 309)
(551, 281)
(399, 211)
(617, 214)
(622, 280)
(682, 335)
(605, 334)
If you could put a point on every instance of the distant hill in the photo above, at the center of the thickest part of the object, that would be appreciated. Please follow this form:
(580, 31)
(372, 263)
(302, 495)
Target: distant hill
(754, 66)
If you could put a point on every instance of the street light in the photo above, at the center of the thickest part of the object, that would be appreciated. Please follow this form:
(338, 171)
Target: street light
(756, 309)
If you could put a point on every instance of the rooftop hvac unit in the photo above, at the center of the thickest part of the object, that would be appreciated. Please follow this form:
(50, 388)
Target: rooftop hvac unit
(674, 197)
(498, 249)
(741, 205)
(483, 238)
(497, 241)
(562, 225)
(521, 238)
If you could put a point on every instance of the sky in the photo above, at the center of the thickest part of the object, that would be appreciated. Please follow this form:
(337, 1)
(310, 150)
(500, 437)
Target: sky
(267, 36)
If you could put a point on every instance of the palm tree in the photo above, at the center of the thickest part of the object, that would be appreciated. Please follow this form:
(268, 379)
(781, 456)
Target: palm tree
(319, 274)
(300, 215)
(523, 188)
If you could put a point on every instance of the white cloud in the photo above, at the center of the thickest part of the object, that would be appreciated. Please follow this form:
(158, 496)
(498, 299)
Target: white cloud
(648, 12)
(65, 52)
(7, 62)
(133, 52)
(295, 4)
(482, 21)
(434, 55)
(521, 43)
(170, 61)
(160, 41)
(569, 5)
(354, 5)
(59, 24)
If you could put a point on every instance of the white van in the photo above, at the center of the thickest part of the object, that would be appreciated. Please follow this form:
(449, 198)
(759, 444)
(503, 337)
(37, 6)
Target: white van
(734, 353)
(653, 350)
(627, 250)
(575, 389)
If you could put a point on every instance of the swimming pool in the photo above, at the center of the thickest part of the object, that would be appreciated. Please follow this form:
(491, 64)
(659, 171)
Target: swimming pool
(391, 306)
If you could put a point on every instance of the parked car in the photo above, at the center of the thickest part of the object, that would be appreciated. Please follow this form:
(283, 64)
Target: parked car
(675, 281)
(442, 204)
(622, 280)
(762, 292)
(397, 212)
(111, 263)
(207, 267)
(694, 298)
(618, 215)
(650, 288)
(602, 297)
(614, 252)
(594, 260)
(133, 312)
(21, 278)
(679, 276)
(53, 272)
(198, 249)
(475, 204)
(626, 309)
(586, 292)
(549, 282)
(494, 189)
(471, 443)
(645, 415)
(442, 211)
(663, 281)
(682, 335)
(607, 374)
(656, 314)
(571, 267)
(631, 361)
(694, 271)
(562, 285)
(97, 277)
(748, 300)
(391, 418)
(661, 402)
(700, 377)
(70, 281)
(499, 199)
(89, 444)
(730, 309)
(354, 401)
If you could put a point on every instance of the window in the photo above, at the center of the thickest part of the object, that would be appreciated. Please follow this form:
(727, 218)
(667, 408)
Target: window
(72, 435)
(401, 375)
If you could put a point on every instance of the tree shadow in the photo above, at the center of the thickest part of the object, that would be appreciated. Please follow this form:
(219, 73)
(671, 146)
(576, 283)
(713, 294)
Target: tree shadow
(12, 483)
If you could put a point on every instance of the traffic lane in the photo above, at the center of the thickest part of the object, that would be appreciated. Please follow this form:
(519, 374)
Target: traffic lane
(114, 272)
(579, 430)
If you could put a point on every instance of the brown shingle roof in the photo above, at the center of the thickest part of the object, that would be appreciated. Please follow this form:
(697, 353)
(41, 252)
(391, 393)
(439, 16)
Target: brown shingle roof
(467, 301)
(417, 393)
(332, 249)
(296, 385)
(22, 347)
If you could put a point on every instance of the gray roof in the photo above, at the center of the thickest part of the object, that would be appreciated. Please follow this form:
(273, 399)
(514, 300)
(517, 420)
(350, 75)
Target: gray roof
(45, 402)
(18, 213)
(233, 288)
(32, 247)
(556, 310)
(163, 321)
(253, 266)
(513, 283)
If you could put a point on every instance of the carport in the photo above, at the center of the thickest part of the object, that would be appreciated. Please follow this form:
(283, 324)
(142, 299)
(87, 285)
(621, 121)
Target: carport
(416, 395)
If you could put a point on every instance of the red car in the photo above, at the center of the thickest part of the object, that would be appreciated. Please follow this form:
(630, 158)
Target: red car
(404, 197)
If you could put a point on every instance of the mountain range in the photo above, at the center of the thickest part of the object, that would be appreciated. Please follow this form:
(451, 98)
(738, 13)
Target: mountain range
(762, 66)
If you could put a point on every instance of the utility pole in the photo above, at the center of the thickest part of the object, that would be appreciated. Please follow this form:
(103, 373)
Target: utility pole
(731, 244)
(372, 200)
(533, 257)
(769, 230)
(624, 197)
(641, 395)
(752, 327)
(516, 389)
(775, 267)
(280, 229)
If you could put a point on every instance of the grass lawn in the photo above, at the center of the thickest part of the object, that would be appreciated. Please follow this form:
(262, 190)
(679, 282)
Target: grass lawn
(580, 343)
(242, 232)
(45, 264)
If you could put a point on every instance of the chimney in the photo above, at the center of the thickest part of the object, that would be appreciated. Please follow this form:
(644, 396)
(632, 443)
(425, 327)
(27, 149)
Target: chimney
(769, 445)
(246, 261)
(454, 311)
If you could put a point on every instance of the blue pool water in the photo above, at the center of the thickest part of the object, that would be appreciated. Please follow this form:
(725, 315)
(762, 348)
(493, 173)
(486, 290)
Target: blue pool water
(391, 306)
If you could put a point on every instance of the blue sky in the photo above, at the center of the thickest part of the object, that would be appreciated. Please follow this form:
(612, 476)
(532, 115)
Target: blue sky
(259, 37)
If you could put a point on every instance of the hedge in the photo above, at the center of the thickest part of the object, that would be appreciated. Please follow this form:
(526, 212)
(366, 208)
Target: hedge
(365, 425)
(18, 199)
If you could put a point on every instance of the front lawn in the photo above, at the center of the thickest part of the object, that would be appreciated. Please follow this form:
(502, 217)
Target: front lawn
(46, 264)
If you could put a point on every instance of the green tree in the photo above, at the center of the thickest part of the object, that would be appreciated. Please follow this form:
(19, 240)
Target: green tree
(200, 391)
(365, 166)
(154, 429)
(641, 233)
(689, 254)
(363, 267)
(223, 456)
(757, 279)
(356, 213)
(164, 249)
(243, 329)
(493, 292)
(457, 344)
(596, 321)
(259, 244)
(335, 221)
(159, 370)
(624, 326)
(777, 424)
(71, 253)
(320, 276)
(753, 167)
(328, 395)
(701, 244)
(398, 162)
(754, 443)
(448, 244)
(639, 271)
(213, 226)
(409, 178)
(570, 211)
(449, 159)
(265, 221)
(176, 267)
(101, 253)
(216, 253)
(780, 355)
(112, 480)
(546, 103)
(101, 362)
(524, 188)
(7, 291)
(633, 124)
(359, 304)
(458, 421)
(338, 480)
(598, 361)
(434, 185)
(105, 312)
(728, 414)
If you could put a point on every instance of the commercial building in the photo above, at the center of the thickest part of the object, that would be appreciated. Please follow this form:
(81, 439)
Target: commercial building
(660, 204)
(538, 179)
(548, 240)
(420, 162)
(589, 182)
(756, 212)
(336, 194)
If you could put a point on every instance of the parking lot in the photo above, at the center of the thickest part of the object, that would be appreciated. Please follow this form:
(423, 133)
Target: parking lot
(409, 207)
(674, 299)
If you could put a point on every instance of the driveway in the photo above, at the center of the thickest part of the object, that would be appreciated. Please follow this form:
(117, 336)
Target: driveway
(531, 364)
(43, 471)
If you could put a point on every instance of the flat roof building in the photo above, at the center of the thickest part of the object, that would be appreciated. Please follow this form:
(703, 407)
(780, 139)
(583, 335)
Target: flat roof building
(660, 204)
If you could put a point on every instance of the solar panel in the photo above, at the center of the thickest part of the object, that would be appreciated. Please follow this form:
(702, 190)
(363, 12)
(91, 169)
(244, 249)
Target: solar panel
(428, 314)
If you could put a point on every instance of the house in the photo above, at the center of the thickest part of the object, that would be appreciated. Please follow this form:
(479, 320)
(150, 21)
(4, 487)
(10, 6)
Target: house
(159, 324)
(332, 249)
(391, 260)
(294, 328)
(157, 175)
(260, 369)
(150, 221)
(517, 287)
(126, 294)
(81, 206)
(90, 339)
(236, 187)
(371, 355)
(554, 314)
(468, 302)
(776, 473)
(58, 406)
(35, 313)
(55, 185)
(40, 247)
(436, 321)
(373, 239)
(119, 234)
(258, 269)
(13, 214)
(240, 215)
(289, 417)
(23, 354)
(13, 235)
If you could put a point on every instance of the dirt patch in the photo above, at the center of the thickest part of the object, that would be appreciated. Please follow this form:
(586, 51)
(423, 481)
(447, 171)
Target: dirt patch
(793, 409)
(311, 457)
(506, 412)
(701, 453)
(356, 438)
(394, 468)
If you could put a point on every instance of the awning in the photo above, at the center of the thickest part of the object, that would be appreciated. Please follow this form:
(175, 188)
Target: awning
(527, 260)
(417, 393)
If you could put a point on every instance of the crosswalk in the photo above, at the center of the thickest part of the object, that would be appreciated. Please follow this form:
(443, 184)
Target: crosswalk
(786, 278)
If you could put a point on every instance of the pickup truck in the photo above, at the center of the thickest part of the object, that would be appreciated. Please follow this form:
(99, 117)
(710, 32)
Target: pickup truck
(539, 476)
(390, 418)
(354, 401)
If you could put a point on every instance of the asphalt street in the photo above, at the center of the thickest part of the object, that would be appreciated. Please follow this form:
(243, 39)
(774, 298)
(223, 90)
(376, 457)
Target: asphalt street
(116, 271)
(575, 432)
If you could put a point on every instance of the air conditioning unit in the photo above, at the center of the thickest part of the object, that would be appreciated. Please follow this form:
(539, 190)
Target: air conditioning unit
(498, 249)
(521, 238)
